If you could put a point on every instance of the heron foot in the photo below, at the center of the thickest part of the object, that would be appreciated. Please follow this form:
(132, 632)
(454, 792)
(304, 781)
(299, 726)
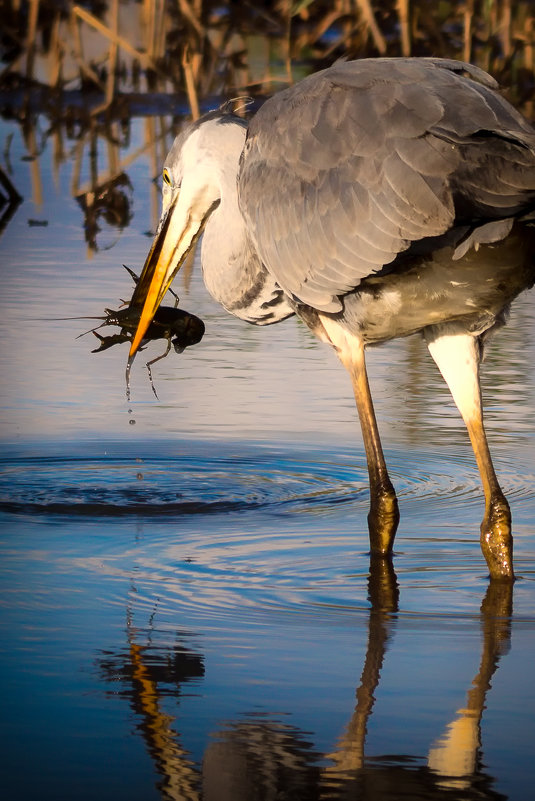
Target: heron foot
(497, 540)
(383, 520)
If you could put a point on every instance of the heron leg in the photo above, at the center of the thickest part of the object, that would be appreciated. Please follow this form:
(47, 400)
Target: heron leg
(457, 356)
(383, 517)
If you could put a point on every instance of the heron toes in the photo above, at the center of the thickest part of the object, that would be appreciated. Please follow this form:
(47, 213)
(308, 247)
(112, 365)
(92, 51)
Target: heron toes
(383, 520)
(497, 540)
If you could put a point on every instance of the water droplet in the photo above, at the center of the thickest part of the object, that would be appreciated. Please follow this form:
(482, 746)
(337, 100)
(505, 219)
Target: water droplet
(131, 422)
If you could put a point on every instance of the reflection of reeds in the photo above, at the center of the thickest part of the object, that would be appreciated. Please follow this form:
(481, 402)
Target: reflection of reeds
(9, 199)
(95, 194)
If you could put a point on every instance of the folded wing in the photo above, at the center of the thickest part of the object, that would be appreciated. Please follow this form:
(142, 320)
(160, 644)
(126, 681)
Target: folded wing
(345, 171)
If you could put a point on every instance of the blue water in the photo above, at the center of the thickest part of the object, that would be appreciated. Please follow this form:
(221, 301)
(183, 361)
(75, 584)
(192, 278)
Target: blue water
(171, 611)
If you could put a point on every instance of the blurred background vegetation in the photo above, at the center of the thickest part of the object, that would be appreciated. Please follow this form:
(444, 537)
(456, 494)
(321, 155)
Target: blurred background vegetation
(202, 49)
(76, 76)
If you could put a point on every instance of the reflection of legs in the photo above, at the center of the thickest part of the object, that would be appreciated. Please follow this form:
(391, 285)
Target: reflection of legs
(457, 357)
(383, 594)
(455, 754)
(383, 518)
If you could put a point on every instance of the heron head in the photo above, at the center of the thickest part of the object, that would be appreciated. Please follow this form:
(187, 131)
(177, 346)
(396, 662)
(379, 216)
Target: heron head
(191, 191)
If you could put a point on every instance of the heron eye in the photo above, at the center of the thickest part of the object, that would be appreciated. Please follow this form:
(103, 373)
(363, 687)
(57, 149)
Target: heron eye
(166, 178)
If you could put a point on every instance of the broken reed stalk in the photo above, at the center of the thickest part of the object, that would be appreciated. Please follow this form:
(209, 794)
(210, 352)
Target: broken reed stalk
(5, 184)
(56, 53)
(84, 15)
(191, 89)
(505, 28)
(371, 23)
(193, 16)
(112, 61)
(404, 24)
(288, 40)
(467, 44)
(30, 41)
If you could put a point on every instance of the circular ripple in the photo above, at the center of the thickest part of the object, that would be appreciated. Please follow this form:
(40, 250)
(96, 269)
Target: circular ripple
(182, 486)
(217, 482)
(230, 531)
(443, 479)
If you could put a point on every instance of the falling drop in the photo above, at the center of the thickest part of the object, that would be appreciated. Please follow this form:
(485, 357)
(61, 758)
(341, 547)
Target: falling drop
(127, 376)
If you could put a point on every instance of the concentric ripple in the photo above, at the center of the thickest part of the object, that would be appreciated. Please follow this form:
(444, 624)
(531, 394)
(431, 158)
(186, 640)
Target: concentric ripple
(224, 530)
(208, 480)
(186, 485)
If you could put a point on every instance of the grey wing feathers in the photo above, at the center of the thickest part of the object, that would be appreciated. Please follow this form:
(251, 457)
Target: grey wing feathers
(343, 172)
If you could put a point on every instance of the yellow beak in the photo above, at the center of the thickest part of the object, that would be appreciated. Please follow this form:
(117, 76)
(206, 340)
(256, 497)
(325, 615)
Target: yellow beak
(176, 235)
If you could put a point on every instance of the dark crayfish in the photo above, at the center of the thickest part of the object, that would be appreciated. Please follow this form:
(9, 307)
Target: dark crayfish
(178, 327)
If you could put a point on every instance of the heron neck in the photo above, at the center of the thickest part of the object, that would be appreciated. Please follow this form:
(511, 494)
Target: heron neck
(232, 270)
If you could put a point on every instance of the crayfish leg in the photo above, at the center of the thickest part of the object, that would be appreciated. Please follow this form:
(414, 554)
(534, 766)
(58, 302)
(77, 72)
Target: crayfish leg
(153, 361)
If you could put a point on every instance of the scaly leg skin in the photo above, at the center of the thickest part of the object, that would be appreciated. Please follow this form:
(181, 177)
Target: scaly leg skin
(496, 538)
(383, 518)
(457, 357)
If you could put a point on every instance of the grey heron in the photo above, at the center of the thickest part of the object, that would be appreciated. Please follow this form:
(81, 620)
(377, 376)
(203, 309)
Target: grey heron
(375, 199)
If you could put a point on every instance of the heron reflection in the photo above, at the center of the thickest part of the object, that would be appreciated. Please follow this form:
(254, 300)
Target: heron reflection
(259, 757)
